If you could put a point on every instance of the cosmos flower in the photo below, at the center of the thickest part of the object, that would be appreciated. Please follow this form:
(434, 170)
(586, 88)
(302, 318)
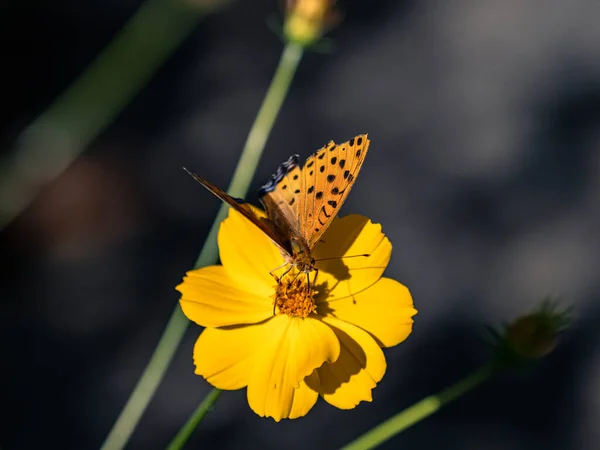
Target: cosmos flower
(291, 342)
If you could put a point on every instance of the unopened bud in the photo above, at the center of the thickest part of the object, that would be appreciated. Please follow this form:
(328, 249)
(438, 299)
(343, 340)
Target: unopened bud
(532, 336)
(307, 20)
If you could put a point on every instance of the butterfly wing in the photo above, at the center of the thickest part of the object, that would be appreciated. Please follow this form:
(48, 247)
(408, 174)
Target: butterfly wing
(326, 180)
(244, 208)
(301, 203)
(280, 197)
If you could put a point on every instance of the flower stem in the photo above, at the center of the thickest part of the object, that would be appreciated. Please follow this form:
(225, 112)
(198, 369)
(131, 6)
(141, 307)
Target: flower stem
(255, 142)
(184, 433)
(171, 337)
(419, 411)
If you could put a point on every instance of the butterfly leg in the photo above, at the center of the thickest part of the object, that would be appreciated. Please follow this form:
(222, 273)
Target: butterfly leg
(278, 279)
(307, 272)
(286, 272)
(295, 277)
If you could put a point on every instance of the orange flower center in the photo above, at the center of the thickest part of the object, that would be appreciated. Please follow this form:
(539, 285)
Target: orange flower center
(294, 297)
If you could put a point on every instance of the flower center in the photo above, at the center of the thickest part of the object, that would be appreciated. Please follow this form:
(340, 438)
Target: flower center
(294, 297)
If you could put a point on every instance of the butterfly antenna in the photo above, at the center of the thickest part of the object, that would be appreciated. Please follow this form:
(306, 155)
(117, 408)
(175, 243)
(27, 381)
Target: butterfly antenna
(190, 173)
(193, 175)
(343, 257)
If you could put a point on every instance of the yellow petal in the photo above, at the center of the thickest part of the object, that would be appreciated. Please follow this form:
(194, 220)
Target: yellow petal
(304, 397)
(248, 253)
(225, 356)
(385, 310)
(350, 236)
(211, 297)
(295, 348)
(361, 365)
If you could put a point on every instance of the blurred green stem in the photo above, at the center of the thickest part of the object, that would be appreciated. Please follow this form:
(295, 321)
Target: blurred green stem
(186, 431)
(242, 177)
(419, 411)
(50, 143)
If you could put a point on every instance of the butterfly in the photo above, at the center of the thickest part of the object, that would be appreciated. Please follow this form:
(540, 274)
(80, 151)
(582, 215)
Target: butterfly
(301, 202)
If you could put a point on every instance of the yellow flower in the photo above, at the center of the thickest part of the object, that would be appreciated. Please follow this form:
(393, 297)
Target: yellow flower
(292, 342)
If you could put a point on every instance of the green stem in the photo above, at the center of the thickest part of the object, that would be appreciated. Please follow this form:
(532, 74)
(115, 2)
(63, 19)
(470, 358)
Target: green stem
(255, 142)
(185, 432)
(52, 141)
(418, 411)
(242, 177)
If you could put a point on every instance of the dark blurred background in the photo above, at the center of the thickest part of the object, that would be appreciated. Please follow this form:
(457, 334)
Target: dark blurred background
(484, 171)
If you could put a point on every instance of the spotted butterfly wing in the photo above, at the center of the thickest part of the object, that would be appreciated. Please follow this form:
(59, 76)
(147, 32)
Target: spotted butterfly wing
(302, 203)
(265, 225)
(327, 178)
(279, 197)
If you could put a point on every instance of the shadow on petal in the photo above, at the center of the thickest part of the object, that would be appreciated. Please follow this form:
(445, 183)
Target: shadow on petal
(351, 361)
(351, 257)
(337, 242)
(336, 267)
(322, 290)
(305, 396)
(237, 327)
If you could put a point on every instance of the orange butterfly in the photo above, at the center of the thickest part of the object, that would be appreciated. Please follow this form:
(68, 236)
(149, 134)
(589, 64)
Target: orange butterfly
(302, 202)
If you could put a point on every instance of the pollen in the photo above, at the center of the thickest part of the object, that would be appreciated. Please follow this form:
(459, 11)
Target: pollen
(294, 297)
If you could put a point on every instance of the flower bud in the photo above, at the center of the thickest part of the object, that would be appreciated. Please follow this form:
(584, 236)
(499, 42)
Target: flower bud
(532, 336)
(307, 20)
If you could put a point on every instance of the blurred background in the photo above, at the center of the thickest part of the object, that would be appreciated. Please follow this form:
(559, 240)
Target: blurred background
(484, 171)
